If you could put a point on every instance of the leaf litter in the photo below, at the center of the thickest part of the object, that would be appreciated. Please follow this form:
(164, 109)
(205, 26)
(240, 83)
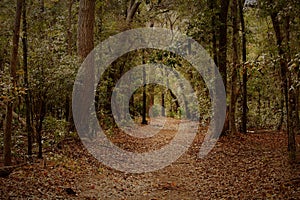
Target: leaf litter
(251, 166)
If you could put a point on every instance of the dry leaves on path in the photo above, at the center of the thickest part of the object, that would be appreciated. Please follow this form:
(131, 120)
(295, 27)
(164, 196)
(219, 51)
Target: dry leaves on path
(252, 166)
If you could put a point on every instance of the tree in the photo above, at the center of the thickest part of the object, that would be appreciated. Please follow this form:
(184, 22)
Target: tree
(85, 43)
(26, 83)
(85, 33)
(222, 55)
(132, 9)
(244, 68)
(144, 111)
(235, 63)
(286, 74)
(69, 117)
(212, 7)
(13, 72)
(223, 40)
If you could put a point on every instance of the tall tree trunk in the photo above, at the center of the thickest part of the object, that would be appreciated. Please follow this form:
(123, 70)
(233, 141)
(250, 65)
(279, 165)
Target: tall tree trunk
(298, 102)
(163, 113)
(29, 129)
(212, 7)
(85, 34)
(232, 105)
(283, 69)
(151, 98)
(163, 110)
(293, 72)
(244, 57)
(281, 119)
(293, 125)
(290, 94)
(222, 56)
(69, 27)
(223, 40)
(144, 111)
(39, 124)
(69, 114)
(292, 97)
(85, 43)
(13, 71)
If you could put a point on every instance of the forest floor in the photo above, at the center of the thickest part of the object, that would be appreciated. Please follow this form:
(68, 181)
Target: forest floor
(244, 166)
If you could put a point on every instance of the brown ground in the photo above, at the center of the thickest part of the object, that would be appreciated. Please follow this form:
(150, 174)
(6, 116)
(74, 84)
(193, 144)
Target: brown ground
(252, 166)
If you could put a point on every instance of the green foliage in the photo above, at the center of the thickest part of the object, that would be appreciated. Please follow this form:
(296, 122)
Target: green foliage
(55, 130)
(53, 64)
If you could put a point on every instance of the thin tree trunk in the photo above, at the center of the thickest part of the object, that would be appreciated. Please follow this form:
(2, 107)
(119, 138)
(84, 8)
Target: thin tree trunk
(293, 126)
(163, 110)
(223, 40)
(13, 71)
(298, 102)
(290, 96)
(69, 114)
(29, 129)
(232, 105)
(69, 28)
(280, 123)
(212, 7)
(151, 97)
(39, 125)
(283, 70)
(222, 56)
(144, 111)
(244, 57)
(132, 9)
(259, 105)
(163, 113)
(293, 72)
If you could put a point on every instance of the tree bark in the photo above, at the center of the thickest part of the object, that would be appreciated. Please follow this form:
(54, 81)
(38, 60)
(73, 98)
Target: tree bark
(289, 93)
(163, 110)
(212, 7)
(281, 119)
(131, 10)
(232, 105)
(86, 21)
(292, 97)
(222, 55)
(144, 111)
(69, 28)
(69, 114)
(13, 71)
(29, 129)
(223, 40)
(244, 57)
(85, 42)
(39, 124)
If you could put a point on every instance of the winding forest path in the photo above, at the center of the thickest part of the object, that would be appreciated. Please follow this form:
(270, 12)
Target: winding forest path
(252, 166)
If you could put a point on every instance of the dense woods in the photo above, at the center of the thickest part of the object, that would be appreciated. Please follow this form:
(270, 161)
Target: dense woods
(255, 45)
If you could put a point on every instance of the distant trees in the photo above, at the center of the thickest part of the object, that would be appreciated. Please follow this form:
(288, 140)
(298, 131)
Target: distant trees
(29, 129)
(282, 16)
(256, 49)
(33, 73)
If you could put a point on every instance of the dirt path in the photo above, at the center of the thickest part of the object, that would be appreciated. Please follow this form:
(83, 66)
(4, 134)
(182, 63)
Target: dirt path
(253, 166)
